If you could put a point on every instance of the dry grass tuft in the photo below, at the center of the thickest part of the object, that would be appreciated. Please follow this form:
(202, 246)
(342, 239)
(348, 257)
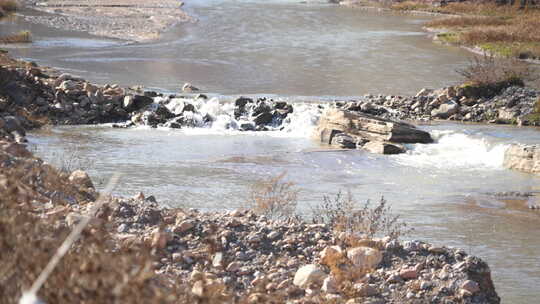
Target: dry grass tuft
(32, 229)
(275, 198)
(9, 5)
(20, 37)
(359, 222)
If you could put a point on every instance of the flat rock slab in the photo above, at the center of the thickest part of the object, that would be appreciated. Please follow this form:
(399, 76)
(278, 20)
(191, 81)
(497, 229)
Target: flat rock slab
(351, 129)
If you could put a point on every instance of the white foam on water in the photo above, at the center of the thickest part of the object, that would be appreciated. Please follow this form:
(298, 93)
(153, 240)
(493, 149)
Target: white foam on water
(300, 123)
(455, 150)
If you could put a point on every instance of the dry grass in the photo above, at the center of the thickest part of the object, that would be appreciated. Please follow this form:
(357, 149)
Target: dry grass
(275, 198)
(359, 221)
(410, 6)
(466, 21)
(487, 76)
(20, 37)
(490, 71)
(501, 30)
(9, 5)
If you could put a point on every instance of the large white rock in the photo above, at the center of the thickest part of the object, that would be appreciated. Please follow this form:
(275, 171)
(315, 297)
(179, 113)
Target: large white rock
(364, 257)
(361, 127)
(523, 158)
(307, 275)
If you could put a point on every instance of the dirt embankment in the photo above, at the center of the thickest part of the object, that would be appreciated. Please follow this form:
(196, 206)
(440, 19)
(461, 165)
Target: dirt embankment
(133, 20)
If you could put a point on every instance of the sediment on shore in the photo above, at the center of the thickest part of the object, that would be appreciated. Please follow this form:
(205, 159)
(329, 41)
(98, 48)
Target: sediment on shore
(132, 20)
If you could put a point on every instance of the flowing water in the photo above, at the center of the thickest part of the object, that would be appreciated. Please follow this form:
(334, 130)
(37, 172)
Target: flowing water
(261, 47)
(444, 190)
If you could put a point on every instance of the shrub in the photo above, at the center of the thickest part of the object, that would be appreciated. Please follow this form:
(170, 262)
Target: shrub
(92, 271)
(359, 221)
(275, 198)
(487, 75)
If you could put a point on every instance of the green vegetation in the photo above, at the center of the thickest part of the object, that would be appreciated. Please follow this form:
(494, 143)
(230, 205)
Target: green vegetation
(448, 37)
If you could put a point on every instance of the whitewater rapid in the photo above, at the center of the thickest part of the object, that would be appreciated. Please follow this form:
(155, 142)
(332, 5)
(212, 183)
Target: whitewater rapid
(456, 149)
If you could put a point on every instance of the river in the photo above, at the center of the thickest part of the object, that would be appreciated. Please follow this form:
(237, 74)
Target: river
(288, 49)
(262, 47)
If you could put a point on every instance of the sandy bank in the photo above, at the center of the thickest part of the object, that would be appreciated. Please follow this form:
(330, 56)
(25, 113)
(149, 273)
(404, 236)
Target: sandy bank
(134, 20)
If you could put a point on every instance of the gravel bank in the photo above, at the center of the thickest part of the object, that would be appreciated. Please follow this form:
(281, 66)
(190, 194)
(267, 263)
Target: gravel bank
(133, 20)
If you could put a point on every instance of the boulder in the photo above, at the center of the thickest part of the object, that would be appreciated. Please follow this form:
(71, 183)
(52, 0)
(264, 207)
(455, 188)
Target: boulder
(81, 178)
(470, 286)
(330, 285)
(424, 92)
(307, 275)
(263, 119)
(12, 124)
(446, 110)
(507, 114)
(127, 102)
(524, 158)
(68, 85)
(242, 101)
(345, 128)
(380, 147)
(344, 140)
(330, 254)
(188, 88)
(139, 102)
(364, 257)
(177, 107)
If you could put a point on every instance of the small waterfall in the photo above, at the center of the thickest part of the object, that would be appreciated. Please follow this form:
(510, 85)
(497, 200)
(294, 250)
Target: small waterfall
(455, 150)
(206, 116)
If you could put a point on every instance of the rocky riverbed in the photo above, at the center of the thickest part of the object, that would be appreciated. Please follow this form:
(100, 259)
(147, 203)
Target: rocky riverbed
(224, 257)
(240, 253)
(67, 99)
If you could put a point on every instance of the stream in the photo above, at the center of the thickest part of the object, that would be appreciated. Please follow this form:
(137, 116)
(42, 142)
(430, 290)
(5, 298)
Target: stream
(295, 51)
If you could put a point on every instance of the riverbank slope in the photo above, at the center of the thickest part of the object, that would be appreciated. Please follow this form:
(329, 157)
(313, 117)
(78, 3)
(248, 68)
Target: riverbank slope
(484, 27)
